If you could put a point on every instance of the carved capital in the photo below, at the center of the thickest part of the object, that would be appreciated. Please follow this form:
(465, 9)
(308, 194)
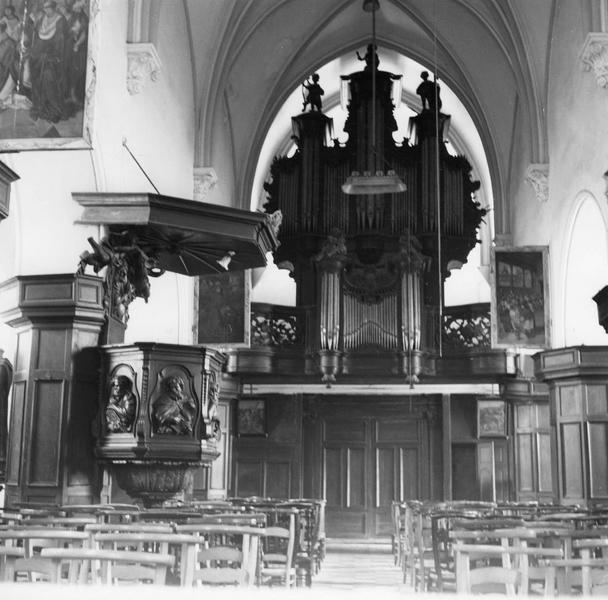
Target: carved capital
(594, 56)
(537, 175)
(143, 65)
(205, 180)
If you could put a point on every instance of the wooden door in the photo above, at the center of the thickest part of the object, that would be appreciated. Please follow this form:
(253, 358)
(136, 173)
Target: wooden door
(368, 462)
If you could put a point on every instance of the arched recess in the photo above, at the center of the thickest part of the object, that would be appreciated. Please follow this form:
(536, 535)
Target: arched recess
(585, 272)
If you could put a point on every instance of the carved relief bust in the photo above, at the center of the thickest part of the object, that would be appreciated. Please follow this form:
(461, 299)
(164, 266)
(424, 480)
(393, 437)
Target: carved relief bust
(174, 411)
(120, 410)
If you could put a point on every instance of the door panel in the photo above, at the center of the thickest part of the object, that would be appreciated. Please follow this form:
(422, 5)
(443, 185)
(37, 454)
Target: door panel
(368, 462)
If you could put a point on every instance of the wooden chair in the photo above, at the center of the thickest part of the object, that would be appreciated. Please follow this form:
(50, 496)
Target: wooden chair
(228, 555)
(92, 565)
(31, 567)
(181, 546)
(63, 522)
(589, 576)
(278, 545)
(129, 528)
(8, 557)
(476, 574)
(238, 518)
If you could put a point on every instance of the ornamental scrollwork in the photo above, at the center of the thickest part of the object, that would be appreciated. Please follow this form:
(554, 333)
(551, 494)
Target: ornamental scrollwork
(128, 269)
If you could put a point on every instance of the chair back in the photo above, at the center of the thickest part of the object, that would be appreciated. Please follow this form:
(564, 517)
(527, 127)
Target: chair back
(228, 556)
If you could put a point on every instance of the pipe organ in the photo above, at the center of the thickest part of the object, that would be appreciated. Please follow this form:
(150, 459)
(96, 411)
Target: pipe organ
(371, 264)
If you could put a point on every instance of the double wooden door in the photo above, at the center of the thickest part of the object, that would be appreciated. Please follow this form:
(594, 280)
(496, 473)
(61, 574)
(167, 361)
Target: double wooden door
(369, 460)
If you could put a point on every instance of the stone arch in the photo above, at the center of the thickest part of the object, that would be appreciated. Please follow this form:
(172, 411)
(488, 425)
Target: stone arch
(585, 271)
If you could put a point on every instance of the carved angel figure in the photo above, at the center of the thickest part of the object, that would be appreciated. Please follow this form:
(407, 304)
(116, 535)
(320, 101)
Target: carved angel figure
(120, 410)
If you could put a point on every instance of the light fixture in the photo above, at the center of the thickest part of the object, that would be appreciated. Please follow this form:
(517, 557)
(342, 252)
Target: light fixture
(366, 183)
(378, 182)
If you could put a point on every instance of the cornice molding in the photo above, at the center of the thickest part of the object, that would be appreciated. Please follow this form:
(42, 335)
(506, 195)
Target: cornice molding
(594, 56)
(537, 175)
(143, 65)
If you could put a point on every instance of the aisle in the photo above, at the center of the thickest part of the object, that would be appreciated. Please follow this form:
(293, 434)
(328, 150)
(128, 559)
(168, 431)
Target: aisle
(351, 565)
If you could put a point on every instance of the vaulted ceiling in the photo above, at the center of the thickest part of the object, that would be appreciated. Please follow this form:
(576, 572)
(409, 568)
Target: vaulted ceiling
(494, 54)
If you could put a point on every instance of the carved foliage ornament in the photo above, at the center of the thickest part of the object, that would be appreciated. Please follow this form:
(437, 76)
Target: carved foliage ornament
(205, 180)
(537, 175)
(143, 65)
(594, 57)
(127, 270)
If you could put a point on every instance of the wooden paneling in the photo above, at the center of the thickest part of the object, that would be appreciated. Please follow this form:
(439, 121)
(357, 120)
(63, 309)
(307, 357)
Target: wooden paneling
(52, 347)
(545, 468)
(272, 465)
(277, 479)
(464, 472)
(334, 481)
(572, 461)
(249, 478)
(59, 318)
(388, 477)
(410, 473)
(598, 459)
(526, 464)
(597, 400)
(570, 403)
(45, 438)
(16, 433)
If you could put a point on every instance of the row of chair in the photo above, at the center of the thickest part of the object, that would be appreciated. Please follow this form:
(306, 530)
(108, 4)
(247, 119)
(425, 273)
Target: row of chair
(290, 535)
(196, 553)
(435, 544)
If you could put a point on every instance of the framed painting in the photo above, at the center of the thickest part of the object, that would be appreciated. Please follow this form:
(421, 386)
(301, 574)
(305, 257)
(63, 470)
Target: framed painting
(47, 73)
(520, 297)
(251, 417)
(491, 418)
(223, 310)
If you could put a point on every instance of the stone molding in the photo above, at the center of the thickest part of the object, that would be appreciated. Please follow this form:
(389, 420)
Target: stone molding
(205, 180)
(143, 65)
(537, 175)
(594, 57)
(503, 240)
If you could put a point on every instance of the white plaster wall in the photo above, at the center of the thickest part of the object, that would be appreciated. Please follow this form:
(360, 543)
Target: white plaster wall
(586, 272)
(578, 147)
(40, 237)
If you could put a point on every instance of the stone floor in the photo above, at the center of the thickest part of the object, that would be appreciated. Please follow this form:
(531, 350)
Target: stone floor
(353, 570)
(350, 565)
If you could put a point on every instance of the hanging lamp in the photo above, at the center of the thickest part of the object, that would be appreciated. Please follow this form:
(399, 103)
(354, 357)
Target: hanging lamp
(376, 182)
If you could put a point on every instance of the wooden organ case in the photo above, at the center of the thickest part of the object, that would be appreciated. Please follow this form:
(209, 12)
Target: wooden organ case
(371, 264)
